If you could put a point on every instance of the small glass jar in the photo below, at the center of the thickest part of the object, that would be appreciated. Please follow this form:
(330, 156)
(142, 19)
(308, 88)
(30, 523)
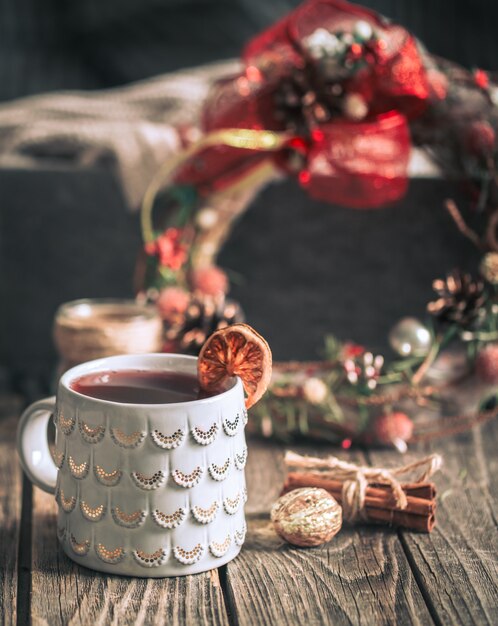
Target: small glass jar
(94, 328)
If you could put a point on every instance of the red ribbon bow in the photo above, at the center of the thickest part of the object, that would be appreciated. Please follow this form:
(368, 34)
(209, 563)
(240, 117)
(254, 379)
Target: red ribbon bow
(351, 79)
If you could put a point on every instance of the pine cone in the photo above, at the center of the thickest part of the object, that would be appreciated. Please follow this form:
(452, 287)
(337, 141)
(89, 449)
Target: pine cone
(300, 105)
(489, 267)
(461, 299)
(202, 318)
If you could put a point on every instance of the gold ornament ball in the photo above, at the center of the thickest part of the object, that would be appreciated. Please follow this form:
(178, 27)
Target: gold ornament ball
(306, 517)
(315, 390)
(489, 267)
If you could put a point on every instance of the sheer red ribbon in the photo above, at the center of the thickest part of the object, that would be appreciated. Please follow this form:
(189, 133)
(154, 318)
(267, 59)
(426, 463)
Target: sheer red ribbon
(357, 164)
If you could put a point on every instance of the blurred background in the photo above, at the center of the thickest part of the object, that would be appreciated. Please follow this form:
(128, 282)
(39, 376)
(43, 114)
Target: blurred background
(57, 44)
(305, 268)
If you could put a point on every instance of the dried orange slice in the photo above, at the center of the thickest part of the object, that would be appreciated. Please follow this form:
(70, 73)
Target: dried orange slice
(236, 350)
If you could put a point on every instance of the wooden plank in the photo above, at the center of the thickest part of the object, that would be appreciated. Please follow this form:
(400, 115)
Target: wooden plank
(361, 577)
(457, 565)
(64, 593)
(10, 509)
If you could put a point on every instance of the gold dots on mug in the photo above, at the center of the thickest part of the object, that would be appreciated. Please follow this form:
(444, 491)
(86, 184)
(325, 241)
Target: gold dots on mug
(109, 479)
(205, 516)
(91, 434)
(58, 458)
(130, 441)
(67, 504)
(240, 535)
(219, 549)
(128, 520)
(231, 505)
(77, 470)
(92, 514)
(66, 424)
(241, 459)
(148, 482)
(230, 426)
(169, 521)
(61, 533)
(80, 548)
(187, 480)
(168, 442)
(188, 557)
(205, 437)
(153, 559)
(108, 555)
(219, 472)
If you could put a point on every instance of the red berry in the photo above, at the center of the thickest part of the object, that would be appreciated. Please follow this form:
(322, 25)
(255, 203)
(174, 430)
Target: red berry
(392, 426)
(481, 138)
(487, 363)
(481, 79)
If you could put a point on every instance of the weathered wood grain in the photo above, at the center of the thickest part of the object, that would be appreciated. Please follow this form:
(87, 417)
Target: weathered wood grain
(10, 510)
(457, 565)
(361, 577)
(64, 593)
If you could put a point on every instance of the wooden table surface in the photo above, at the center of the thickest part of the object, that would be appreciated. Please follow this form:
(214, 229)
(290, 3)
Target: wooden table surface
(366, 575)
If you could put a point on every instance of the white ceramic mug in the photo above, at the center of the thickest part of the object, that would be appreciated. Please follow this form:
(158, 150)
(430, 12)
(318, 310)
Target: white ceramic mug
(143, 489)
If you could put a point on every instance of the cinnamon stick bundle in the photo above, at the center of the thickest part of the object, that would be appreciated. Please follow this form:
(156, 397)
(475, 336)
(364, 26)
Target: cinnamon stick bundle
(379, 504)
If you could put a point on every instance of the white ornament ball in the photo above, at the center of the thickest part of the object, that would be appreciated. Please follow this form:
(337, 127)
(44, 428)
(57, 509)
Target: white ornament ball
(355, 107)
(315, 390)
(409, 337)
(206, 218)
(363, 30)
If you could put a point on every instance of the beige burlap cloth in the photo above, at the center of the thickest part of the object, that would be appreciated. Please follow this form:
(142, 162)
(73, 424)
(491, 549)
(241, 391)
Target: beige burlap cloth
(130, 129)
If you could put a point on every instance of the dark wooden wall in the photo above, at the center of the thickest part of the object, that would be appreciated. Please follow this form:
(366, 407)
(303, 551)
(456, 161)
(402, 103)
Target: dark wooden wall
(60, 44)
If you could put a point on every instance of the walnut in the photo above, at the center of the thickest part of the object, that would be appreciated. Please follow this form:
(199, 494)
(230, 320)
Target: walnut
(306, 517)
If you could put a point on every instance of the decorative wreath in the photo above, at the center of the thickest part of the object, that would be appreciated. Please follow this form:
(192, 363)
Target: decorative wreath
(336, 96)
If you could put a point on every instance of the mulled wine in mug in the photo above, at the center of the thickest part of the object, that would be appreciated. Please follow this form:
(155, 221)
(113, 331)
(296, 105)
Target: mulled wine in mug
(147, 470)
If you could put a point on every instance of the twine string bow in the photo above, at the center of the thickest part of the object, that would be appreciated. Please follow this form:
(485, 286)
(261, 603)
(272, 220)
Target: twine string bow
(356, 478)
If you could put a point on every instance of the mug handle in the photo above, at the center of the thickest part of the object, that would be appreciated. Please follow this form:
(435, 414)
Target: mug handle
(32, 444)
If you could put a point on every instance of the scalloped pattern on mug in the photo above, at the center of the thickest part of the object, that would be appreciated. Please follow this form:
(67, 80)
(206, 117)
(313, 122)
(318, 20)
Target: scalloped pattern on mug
(219, 549)
(66, 424)
(148, 483)
(168, 442)
(58, 458)
(188, 557)
(187, 480)
(240, 535)
(80, 548)
(231, 426)
(67, 504)
(231, 505)
(61, 533)
(240, 459)
(78, 470)
(219, 472)
(108, 555)
(205, 437)
(92, 513)
(169, 521)
(128, 520)
(108, 479)
(133, 440)
(91, 434)
(207, 515)
(152, 559)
